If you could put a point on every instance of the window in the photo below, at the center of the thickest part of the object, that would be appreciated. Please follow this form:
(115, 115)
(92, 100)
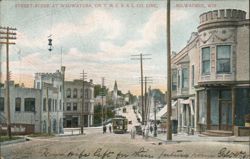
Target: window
(55, 104)
(44, 104)
(179, 79)
(192, 75)
(86, 107)
(81, 92)
(49, 104)
(174, 80)
(75, 106)
(86, 93)
(223, 58)
(68, 106)
(184, 83)
(75, 93)
(18, 104)
(1, 104)
(60, 105)
(29, 104)
(68, 93)
(38, 85)
(206, 60)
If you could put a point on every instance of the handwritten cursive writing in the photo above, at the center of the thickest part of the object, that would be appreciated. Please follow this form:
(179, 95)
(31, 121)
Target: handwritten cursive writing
(143, 153)
(226, 153)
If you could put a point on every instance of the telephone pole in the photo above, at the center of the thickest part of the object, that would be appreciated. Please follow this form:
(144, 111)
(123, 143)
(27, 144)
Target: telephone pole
(102, 94)
(169, 111)
(8, 34)
(84, 76)
(147, 80)
(141, 62)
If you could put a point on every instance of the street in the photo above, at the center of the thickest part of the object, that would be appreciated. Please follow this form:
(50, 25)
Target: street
(96, 145)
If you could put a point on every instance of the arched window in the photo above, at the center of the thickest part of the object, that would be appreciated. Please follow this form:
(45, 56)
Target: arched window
(68, 93)
(75, 93)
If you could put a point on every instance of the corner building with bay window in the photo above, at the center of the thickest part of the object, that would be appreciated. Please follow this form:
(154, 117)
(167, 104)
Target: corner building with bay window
(215, 66)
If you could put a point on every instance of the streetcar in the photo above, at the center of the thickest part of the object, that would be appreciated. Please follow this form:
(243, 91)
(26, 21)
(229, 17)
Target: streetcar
(120, 124)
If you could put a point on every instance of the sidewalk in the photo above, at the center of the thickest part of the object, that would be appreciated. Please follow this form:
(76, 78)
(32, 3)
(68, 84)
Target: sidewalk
(181, 137)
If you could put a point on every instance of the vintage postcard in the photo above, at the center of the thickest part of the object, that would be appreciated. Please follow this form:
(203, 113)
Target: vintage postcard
(124, 79)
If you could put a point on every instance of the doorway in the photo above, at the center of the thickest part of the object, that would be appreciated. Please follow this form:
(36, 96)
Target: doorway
(225, 115)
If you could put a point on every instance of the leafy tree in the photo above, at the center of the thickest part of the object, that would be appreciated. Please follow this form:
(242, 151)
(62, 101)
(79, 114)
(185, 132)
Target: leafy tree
(98, 90)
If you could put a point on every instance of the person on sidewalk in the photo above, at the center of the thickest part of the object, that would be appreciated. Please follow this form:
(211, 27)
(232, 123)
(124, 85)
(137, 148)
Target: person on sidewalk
(132, 132)
(151, 129)
(104, 129)
(110, 128)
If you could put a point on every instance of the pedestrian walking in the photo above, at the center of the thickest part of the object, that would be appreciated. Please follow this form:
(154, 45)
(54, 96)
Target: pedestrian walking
(151, 129)
(132, 133)
(104, 129)
(110, 128)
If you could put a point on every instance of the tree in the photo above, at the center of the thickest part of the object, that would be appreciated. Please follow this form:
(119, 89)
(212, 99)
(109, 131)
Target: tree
(98, 90)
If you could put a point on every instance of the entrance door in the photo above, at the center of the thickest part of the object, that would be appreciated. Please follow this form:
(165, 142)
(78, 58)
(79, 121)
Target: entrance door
(225, 115)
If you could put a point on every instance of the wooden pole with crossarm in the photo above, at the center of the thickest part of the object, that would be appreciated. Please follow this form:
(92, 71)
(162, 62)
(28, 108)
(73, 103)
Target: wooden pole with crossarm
(7, 33)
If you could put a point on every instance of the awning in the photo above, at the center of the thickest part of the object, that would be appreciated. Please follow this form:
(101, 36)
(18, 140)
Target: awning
(162, 112)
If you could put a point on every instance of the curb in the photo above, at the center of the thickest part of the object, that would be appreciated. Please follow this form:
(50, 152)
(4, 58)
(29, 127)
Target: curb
(13, 141)
(180, 141)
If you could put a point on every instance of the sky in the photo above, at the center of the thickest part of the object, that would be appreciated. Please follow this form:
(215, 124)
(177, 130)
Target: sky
(100, 37)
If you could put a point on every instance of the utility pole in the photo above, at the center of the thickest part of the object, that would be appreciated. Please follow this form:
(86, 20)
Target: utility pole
(47, 96)
(102, 94)
(141, 62)
(169, 111)
(8, 36)
(155, 126)
(147, 80)
(83, 102)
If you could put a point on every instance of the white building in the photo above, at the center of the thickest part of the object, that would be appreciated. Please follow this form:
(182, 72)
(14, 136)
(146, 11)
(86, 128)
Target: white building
(25, 109)
(52, 95)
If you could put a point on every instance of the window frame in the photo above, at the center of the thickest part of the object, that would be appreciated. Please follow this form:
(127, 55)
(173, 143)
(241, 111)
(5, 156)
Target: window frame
(2, 104)
(19, 103)
(182, 78)
(26, 107)
(174, 79)
(74, 106)
(206, 60)
(220, 59)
